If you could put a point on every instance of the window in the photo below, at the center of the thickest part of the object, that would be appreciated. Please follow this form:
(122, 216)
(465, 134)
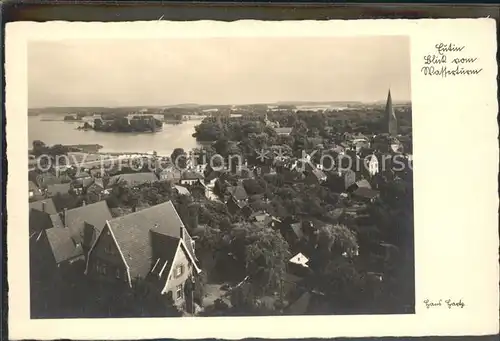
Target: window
(117, 273)
(179, 271)
(103, 269)
(179, 294)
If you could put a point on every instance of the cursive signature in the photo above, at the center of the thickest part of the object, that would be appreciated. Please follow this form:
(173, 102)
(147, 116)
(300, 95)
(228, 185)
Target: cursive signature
(449, 303)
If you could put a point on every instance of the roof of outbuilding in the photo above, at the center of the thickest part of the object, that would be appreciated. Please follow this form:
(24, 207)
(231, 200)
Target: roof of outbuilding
(62, 245)
(238, 192)
(95, 214)
(45, 205)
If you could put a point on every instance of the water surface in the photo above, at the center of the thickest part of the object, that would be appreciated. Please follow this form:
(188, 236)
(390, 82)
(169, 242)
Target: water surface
(163, 142)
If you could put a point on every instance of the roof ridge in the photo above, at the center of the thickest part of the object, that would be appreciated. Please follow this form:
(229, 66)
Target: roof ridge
(142, 211)
(75, 209)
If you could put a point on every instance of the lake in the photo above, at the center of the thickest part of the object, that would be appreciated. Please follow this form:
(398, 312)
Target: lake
(163, 142)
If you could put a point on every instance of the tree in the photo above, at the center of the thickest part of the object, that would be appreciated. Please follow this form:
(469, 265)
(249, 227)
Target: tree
(145, 300)
(179, 158)
(338, 239)
(262, 252)
(39, 148)
(221, 146)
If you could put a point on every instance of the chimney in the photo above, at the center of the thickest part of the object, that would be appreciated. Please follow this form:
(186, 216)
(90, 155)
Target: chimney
(181, 233)
(43, 206)
(64, 217)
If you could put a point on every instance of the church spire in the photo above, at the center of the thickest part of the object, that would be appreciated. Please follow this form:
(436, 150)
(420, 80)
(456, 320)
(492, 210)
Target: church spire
(392, 123)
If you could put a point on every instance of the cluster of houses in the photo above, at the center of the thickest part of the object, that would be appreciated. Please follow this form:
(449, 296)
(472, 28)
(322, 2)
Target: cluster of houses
(153, 244)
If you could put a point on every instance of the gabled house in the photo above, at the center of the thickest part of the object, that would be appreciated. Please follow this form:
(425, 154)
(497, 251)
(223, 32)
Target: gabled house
(151, 245)
(182, 190)
(340, 180)
(199, 189)
(264, 219)
(64, 248)
(294, 231)
(189, 177)
(44, 205)
(169, 174)
(97, 186)
(55, 189)
(40, 213)
(81, 181)
(235, 206)
(45, 179)
(362, 183)
(366, 194)
(84, 223)
(238, 199)
(315, 176)
(283, 131)
(238, 192)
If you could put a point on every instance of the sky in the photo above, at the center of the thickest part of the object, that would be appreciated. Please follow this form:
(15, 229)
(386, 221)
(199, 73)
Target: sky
(114, 73)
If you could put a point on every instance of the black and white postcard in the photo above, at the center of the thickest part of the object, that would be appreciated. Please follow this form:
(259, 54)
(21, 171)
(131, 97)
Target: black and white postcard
(252, 179)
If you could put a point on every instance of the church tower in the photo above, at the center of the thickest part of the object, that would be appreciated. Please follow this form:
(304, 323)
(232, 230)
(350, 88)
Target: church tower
(391, 121)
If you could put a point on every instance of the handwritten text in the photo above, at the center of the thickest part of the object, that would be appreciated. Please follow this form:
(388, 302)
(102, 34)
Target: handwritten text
(448, 303)
(446, 61)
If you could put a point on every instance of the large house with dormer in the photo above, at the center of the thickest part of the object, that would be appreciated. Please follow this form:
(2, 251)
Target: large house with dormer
(152, 245)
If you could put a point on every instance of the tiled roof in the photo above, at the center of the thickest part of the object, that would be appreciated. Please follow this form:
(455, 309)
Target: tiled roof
(365, 193)
(297, 229)
(46, 179)
(163, 249)
(58, 188)
(319, 174)
(98, 182)
(191, 175)
(363, 183)
(134, 233)
(95, 214)
(170, 174)
(238, 192)
(46, 205)
(301, 306)
(82, 174)
(182, 190)
(283, 130)
(82, 182)
(39, 221)
(56, 220)
(63, 247)
(133, 179)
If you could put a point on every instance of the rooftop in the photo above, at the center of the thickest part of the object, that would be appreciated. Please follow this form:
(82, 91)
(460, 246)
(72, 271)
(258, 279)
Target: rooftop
(133, 179)
(45, 205)
(135, 232)
(366, 193)
(62, 245)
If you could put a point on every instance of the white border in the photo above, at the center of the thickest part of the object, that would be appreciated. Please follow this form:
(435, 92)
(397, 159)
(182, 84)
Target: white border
(456, 200)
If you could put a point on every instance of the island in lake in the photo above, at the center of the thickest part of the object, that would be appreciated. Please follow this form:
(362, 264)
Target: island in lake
(124, 124)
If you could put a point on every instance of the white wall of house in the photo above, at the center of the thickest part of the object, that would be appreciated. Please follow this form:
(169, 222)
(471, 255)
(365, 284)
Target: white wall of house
(177, 277)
